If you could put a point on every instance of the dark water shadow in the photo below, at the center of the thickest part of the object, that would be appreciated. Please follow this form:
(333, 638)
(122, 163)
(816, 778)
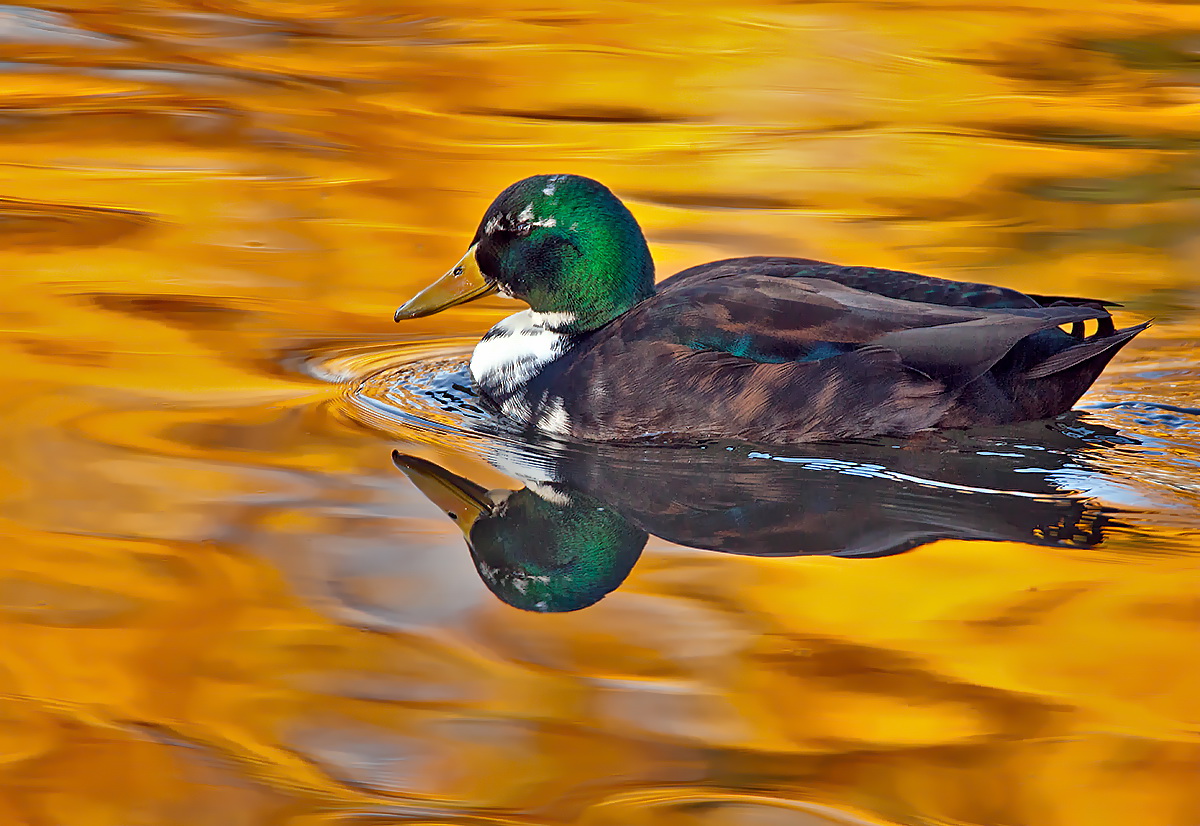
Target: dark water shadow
(576, 529)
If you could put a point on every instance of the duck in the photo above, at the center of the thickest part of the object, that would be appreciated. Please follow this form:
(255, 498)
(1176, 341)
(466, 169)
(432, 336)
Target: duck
(770, 350)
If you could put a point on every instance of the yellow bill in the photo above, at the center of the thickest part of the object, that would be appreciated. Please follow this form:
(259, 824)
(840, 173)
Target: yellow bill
(463, 283)
(460, 499)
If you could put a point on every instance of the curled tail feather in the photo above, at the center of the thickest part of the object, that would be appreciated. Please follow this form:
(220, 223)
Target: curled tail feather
(1103, 342)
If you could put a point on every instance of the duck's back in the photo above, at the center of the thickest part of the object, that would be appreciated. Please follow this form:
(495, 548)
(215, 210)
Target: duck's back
(764, 350)
(907, 286)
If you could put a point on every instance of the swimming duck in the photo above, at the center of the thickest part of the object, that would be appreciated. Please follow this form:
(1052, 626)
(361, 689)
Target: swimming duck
(768, 350)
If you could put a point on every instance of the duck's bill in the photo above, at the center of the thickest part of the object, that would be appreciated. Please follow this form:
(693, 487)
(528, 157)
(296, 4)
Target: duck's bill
(460, 499)
(463, 283)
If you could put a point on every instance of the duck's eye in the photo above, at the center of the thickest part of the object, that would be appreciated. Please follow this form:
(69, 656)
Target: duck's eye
(458, 270)
(452, 515)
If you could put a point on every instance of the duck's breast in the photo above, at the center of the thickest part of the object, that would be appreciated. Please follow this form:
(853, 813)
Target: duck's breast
(506, 362)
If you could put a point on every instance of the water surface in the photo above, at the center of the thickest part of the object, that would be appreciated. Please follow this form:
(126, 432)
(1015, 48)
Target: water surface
(224, 604)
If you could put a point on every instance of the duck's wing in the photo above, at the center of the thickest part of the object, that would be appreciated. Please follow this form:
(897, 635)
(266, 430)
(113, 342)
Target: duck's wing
(771, 320)
(908, 286)
(759, 356)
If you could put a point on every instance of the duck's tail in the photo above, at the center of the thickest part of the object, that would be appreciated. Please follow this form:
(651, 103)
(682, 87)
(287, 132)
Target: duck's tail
(1051, 385)
(1093, 352)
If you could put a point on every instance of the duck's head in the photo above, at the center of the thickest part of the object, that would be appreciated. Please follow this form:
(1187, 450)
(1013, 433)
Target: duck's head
(546, 550)
(563, 244)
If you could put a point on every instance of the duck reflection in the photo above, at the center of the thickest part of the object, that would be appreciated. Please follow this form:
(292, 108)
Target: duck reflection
(574, 532)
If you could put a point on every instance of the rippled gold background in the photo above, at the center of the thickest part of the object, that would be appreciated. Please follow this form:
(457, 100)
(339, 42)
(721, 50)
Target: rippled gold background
(218, 603)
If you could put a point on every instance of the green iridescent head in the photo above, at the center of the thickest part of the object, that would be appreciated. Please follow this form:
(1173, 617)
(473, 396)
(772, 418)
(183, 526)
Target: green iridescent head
(564, 244)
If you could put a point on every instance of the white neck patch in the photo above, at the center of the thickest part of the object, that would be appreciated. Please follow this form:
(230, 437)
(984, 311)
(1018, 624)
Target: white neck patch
(512, 353)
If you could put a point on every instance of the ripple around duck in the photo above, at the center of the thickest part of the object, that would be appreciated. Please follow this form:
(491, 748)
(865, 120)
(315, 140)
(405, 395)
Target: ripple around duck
(436, 395)
(419, 392)
(1151, 414)
(1151, 399)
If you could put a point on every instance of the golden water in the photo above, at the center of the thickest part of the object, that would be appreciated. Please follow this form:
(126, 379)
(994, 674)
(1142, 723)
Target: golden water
(221, 604)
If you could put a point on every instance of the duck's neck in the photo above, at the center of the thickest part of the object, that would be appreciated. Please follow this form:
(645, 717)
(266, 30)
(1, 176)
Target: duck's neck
(512, 354)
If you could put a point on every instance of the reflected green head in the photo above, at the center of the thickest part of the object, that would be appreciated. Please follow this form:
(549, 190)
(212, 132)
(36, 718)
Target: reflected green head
(544, 555)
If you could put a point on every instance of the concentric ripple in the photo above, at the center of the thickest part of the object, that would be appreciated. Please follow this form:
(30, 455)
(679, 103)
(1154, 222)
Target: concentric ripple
(419, 392)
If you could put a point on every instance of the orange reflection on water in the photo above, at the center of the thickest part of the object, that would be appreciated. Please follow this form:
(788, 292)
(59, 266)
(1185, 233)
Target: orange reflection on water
(221, 605)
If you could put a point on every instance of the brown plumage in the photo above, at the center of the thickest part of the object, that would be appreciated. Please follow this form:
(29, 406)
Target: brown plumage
(760, 349)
